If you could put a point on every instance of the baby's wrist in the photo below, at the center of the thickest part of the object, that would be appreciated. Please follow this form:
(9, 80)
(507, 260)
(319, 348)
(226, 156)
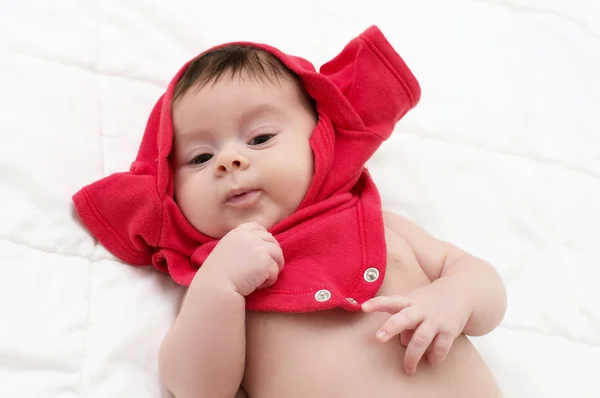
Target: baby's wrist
(214, 282)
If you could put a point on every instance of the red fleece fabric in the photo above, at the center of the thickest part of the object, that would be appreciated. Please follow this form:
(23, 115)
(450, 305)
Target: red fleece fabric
(333, 245)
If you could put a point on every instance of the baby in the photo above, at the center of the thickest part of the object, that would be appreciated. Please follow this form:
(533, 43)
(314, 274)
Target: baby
(250, 189)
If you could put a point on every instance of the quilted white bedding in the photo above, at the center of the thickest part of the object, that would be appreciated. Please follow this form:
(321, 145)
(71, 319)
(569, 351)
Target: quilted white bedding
(502, 157)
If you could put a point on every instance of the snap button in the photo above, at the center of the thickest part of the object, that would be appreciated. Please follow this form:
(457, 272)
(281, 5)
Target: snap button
(352, 301)
(371, 274)
(322, 295)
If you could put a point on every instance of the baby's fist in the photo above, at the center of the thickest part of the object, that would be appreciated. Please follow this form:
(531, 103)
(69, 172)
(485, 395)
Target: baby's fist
(249, 257)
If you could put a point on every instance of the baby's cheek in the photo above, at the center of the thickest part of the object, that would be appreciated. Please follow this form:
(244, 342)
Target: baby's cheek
(190, 196)
(299, 180)
(290, 174)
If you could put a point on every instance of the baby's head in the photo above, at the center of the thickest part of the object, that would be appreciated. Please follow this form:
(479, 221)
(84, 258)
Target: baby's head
(242, 125)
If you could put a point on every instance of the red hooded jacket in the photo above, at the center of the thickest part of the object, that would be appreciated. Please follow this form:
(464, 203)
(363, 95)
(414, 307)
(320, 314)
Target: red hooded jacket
(334, 244)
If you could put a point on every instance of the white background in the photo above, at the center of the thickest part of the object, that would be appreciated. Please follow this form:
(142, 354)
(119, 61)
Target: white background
(502, 157)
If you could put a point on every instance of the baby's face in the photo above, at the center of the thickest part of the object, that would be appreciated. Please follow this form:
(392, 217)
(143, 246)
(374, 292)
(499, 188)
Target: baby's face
(241, 153)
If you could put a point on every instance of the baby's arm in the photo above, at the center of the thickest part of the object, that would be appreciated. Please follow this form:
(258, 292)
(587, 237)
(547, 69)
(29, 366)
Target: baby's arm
(203, 354)
(446, 263)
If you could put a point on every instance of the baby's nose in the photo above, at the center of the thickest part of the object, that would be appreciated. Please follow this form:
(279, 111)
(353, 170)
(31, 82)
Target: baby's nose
(230, 161)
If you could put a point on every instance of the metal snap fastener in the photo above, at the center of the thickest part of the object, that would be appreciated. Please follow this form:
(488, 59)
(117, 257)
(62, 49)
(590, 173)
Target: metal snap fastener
(371, 274)
(352, 301)
(322, 295)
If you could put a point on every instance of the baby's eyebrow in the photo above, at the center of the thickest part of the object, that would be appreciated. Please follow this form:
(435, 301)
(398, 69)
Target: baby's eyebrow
(244, 118)
(258, 110)
(183, 138)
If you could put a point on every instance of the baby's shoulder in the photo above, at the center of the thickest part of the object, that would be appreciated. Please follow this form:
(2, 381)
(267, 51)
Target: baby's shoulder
(397, 223)
(404, 271)
(396, 244)
(406, 239)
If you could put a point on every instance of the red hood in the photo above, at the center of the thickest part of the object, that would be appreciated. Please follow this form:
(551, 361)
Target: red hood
(337, 232)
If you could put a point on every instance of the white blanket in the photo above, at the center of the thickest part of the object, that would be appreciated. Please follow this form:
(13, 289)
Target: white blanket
(502, 157)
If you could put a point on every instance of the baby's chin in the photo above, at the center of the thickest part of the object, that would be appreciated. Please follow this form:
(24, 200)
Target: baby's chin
(227, 222)
(266, 222)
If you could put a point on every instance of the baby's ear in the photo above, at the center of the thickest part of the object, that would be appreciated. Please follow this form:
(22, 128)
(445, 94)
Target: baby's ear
(375, 80)
(123, 212)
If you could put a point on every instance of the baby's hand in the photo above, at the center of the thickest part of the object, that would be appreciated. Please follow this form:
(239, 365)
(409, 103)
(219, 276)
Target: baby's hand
(427, 320)
(248, 257)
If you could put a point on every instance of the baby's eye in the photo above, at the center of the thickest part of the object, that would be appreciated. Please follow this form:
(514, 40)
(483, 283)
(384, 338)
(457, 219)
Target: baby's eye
(200, 159)
(260, 139)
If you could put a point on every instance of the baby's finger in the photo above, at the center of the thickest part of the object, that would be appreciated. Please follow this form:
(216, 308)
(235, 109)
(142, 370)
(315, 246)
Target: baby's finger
(273, 248)
(391, 304)
(273, 274)
(408, 318)
(440, 348)
(267, 283)
(405, 337)
(277, 255)
(419, 342)
(267, 236)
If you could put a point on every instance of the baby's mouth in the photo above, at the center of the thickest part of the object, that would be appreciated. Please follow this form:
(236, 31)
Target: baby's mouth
(241, 198)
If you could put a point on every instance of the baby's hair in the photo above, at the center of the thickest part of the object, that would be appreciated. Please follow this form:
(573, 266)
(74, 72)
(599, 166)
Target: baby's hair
(232, 60)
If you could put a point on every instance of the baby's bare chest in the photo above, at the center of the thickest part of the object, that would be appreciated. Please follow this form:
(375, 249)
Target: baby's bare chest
(292, 348)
